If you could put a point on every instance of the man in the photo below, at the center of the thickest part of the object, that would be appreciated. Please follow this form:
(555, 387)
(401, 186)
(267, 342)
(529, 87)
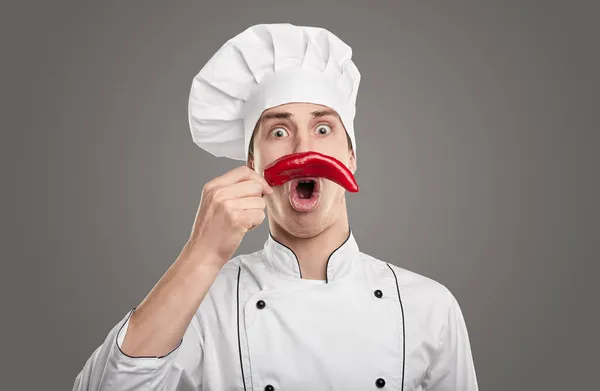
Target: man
(309, 311)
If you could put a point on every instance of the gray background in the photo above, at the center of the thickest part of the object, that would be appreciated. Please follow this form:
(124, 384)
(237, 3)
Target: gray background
(477, 134)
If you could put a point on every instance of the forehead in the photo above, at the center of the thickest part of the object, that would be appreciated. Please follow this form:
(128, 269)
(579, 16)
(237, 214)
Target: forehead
(298, 110)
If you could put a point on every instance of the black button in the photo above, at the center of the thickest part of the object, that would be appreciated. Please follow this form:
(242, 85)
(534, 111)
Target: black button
(378, 293)
(380, 383)
(269, 388)
(260, 305)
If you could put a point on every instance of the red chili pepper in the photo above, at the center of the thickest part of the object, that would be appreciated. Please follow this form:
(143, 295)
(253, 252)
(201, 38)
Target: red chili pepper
(309, 164)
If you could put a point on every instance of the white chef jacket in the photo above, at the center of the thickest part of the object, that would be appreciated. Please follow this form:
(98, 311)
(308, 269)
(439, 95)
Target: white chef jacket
(370, 325)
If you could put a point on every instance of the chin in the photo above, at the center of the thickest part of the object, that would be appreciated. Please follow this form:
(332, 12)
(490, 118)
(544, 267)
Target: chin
(303, 224)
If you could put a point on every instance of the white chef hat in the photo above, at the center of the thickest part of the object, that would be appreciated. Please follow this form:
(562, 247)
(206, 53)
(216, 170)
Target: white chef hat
(268, 65)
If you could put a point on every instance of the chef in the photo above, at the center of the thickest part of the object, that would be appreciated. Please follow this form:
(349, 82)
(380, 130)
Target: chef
(308, 310)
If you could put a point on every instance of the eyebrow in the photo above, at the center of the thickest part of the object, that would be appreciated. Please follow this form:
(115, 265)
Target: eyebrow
(278, 115)
(322, 113)
(288, 115)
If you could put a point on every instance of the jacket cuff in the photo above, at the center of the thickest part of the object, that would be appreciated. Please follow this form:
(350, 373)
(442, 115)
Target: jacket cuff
(124, 363)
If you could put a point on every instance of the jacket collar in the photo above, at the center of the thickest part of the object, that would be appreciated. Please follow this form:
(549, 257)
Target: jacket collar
(282, 259)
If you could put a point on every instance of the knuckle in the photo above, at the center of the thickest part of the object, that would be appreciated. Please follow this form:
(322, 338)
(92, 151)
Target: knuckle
(225, 209)
(250, 172)
(244, 170)
(233, 217)
(227, 206)
(206, 190)
(256, 186)
(218, 195)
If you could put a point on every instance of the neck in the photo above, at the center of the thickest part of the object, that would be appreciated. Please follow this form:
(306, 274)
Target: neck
(313, 252)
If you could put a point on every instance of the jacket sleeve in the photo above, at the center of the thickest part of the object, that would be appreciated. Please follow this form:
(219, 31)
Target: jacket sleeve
(453, 368)
(109, 368)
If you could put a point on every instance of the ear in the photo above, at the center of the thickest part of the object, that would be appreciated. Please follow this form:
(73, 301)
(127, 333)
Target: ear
(353, 164)
(250, 162)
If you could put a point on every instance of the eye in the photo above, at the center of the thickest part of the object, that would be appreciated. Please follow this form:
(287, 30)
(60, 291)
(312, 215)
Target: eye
(323, 129)
(279, 132)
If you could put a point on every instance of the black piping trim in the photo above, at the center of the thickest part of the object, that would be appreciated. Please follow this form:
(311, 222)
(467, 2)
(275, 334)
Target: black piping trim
(127, 355)
(297, 261)
(329, 257)
(403, 327)
(238, 326)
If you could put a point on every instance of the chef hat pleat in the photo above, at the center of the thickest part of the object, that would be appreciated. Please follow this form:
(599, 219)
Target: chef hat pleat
(264, 66)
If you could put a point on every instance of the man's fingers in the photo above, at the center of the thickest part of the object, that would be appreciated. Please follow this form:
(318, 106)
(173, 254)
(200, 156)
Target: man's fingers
(251, 218)
(251, 203)
(230, 177)
(250, 188)
(267, 189)
(238, 174)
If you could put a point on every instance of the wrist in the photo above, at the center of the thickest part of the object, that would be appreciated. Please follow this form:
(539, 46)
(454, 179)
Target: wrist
(203, 256)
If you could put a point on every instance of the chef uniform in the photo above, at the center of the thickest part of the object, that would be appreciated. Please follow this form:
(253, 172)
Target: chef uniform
(369, 325)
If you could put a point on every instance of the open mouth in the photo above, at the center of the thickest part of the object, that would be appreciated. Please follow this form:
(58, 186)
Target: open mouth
(305, 188)
(304, 193)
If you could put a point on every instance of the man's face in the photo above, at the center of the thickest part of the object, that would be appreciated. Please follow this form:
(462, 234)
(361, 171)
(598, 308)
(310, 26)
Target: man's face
(302, 127)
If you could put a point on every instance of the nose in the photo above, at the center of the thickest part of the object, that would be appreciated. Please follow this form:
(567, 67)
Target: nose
(302, 143)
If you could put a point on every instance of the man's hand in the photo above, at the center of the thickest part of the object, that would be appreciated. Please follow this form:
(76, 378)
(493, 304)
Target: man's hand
(231, 205)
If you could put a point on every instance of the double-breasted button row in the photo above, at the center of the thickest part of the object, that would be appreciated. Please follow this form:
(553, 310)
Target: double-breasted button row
(380, 383)
(261, 303)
